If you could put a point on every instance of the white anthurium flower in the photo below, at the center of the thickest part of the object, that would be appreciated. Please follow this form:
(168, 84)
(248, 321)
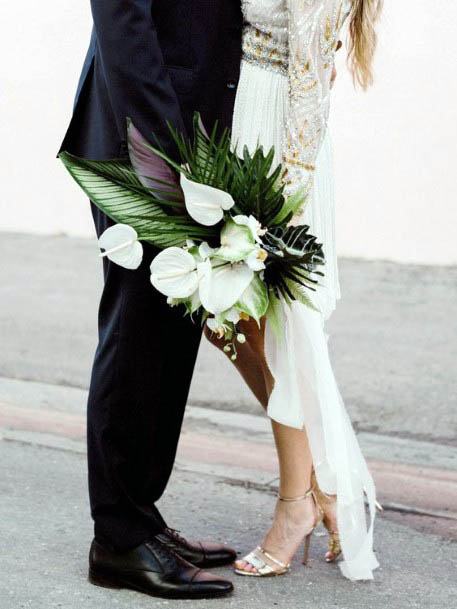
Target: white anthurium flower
(254, 226)
(121, 246)
(205, 204)
(256, 259)
(237, 242)
(220, 289)
(174, 273)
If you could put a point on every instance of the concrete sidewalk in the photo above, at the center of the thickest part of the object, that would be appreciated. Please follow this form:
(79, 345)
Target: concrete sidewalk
(414, 478)
(395, 351)
(223, 486)
(46, 531)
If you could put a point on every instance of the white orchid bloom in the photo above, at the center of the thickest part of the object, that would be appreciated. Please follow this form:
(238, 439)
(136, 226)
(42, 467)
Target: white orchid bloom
(174, 273)
(256, 259)
(254, 226)
(232, 315)
(237, 242)
(205, 204)
(205, 251)
(192, 303)
(216, 326)
(221, 288)
(220, 324)
(121, 246)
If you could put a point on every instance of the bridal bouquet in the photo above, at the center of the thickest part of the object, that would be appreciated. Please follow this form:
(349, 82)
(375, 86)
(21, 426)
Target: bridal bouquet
(221, 221)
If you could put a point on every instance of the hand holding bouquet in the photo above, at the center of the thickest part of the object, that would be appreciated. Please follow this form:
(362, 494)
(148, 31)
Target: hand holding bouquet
(222, 222)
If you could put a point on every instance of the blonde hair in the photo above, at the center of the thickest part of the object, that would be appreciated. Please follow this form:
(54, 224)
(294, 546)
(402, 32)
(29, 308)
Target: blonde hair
(363, 39)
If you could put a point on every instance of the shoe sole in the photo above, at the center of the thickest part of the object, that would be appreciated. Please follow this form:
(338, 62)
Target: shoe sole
(214, 564)
(105, 581)
(252, 574)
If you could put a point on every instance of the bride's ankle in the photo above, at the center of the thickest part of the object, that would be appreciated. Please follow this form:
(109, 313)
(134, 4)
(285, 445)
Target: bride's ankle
(297, 512)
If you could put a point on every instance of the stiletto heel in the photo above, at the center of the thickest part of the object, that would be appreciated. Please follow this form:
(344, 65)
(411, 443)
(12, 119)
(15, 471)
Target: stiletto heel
(326, 501)
(306, 549)
(259, 557)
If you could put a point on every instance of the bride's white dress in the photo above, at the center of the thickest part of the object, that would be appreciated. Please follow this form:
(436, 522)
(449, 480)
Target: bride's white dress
(283, 101)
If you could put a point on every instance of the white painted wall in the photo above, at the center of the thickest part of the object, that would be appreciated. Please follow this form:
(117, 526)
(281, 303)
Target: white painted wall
(42, 47)
(395, 147)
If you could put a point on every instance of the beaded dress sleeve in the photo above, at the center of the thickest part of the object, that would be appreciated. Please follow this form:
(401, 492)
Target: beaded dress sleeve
(313, 32)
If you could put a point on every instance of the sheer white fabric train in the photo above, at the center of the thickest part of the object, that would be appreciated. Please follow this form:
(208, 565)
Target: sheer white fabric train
(305, 393)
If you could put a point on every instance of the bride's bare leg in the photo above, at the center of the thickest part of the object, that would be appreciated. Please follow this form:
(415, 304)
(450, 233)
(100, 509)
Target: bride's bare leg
(250, 362)
(295, 460)
(292, 520)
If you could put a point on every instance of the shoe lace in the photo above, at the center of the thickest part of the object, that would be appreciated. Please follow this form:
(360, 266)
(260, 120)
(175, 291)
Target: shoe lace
(175, 535)
(165, 554)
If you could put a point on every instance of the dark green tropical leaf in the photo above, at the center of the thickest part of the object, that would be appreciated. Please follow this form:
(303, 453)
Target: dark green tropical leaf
(115, 189)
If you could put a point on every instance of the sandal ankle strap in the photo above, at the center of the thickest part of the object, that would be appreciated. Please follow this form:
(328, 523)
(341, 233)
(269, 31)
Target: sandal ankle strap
(308, 493)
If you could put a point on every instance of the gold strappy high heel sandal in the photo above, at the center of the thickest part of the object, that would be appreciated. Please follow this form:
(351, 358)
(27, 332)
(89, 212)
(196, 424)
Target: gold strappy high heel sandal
(325, 501)
(267, 565)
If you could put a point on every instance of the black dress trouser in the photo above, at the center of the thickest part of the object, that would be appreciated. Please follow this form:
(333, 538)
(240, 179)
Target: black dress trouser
(140, 382)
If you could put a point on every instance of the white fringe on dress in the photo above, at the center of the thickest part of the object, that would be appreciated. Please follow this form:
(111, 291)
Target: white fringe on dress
(306, 395)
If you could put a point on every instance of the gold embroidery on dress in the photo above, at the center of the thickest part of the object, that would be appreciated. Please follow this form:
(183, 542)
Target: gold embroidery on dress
(312, 25)
(299, 43)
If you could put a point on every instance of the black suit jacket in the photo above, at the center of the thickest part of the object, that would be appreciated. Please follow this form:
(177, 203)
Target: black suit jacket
(154, 61)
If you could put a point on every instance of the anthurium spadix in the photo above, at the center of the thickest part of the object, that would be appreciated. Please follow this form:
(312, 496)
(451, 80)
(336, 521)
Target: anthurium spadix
(121, 246)
(205, 204)
(221, 288)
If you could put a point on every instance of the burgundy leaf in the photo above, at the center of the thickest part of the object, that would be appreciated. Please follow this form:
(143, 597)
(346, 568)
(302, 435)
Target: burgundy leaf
(152, 171)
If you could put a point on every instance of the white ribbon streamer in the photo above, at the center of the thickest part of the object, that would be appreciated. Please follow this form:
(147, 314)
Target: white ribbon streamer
(306, 396)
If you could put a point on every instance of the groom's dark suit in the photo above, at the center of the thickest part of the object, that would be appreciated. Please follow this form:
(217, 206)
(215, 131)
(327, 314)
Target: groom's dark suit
(154, 61)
